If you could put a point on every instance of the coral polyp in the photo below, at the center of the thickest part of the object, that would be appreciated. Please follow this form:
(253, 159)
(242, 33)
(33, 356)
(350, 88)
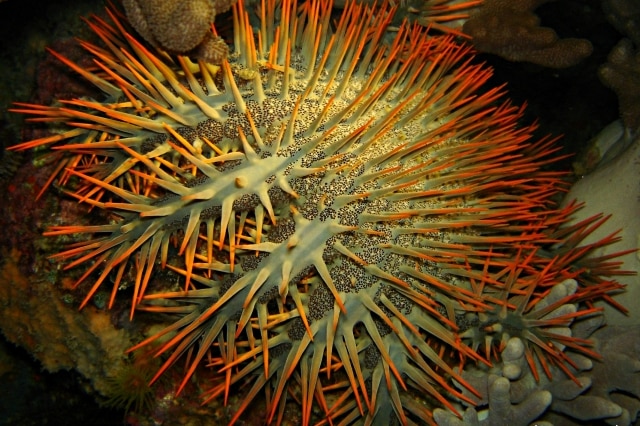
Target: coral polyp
(349, 215)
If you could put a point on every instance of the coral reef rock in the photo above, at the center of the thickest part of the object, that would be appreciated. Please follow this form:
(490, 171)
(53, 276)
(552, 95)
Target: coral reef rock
(46, 324)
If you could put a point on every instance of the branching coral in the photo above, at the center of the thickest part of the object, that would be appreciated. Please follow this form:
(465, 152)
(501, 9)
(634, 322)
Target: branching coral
(511, 30)
(622, 74)
(497, 391)
(625, 16)
(607, 389)
(617, 378)
(180, 26)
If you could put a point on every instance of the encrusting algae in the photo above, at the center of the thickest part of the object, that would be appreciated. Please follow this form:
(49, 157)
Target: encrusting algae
(350, 216)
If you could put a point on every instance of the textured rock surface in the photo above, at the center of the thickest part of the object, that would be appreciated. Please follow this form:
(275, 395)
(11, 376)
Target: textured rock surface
(42, 321)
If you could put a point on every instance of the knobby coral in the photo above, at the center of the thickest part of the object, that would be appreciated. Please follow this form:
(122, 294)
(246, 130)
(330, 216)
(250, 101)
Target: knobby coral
(350, 219)
(180, 26)
(606, 390)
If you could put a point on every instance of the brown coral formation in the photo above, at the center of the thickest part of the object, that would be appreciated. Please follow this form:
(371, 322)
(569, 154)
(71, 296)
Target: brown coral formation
(624, 15)
(621, 73)
(510, 29)
(180, 26)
